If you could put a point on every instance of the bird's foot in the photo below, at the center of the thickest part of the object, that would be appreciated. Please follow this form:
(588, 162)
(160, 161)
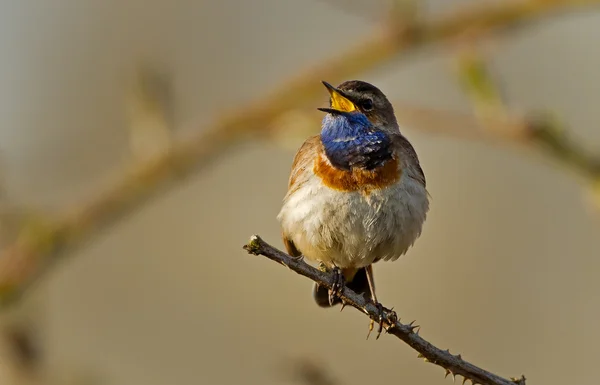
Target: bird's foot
(383, 315)
(380, 315)
(337, 284)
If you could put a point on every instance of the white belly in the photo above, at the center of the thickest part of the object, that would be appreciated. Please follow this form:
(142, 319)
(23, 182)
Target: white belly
(349, 229)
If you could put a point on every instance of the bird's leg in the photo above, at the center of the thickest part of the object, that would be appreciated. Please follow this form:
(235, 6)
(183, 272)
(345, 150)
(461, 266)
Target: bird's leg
(337, 284)
(371, 281)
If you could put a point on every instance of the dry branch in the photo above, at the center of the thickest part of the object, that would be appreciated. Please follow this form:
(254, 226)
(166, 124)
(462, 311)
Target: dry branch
(454, 365)
(30, 256)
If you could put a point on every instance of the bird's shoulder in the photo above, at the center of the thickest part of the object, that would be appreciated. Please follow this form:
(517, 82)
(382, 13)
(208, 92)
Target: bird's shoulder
(409, 160)
(304, 159)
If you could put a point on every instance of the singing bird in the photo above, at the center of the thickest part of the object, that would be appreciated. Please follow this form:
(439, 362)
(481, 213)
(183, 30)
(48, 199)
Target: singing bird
(356, 193)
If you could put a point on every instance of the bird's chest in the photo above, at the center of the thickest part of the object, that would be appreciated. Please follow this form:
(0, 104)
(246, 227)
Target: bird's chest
(354, 228)
(363, 205)
(346, 217)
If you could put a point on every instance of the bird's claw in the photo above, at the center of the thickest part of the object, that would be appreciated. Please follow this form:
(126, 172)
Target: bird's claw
(380, 317)
(336, 285)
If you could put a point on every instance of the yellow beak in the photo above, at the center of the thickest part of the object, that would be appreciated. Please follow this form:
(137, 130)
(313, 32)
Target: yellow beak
(338, 101)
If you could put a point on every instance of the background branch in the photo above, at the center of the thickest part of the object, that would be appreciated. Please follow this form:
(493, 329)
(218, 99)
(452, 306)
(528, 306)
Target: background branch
(542, 130)
(454, 365)
(39, 245)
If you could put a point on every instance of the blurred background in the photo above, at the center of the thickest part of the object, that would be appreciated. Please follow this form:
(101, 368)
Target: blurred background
(143, 142)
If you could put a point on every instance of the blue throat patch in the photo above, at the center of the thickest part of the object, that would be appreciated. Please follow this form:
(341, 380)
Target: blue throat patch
(350, 140)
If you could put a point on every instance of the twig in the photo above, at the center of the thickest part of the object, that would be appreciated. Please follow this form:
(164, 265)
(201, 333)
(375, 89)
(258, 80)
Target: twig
(542, 131)
(28, 258)
(454, 365)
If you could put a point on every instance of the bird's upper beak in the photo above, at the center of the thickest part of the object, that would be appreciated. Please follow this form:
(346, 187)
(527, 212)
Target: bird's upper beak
(339, 100)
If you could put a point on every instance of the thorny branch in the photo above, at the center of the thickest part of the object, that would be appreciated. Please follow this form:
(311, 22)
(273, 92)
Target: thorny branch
(39, 246)
(454, 365)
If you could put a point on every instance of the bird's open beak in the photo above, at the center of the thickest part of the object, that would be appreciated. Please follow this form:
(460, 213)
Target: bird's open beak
(339, 101)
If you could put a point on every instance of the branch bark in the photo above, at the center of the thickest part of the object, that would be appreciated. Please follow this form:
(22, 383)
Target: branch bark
(454, 365)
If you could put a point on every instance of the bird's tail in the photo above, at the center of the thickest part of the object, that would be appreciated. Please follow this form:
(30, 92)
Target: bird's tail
(359, 283)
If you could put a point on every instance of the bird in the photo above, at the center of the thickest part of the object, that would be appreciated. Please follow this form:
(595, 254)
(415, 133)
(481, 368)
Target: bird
(356, 192)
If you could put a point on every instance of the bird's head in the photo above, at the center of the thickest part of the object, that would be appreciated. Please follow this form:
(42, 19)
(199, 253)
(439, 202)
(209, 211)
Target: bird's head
(357, 128)
(355, 96)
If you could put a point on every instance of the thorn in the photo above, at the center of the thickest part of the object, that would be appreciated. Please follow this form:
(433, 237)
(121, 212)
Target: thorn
(519, 381)
(447, 373)
(459, 356)
(412, 326)
(344, 303)
(420, 355)
(426, 359)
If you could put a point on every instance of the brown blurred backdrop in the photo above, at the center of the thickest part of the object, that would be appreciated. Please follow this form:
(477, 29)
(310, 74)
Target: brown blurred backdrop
(506, 271)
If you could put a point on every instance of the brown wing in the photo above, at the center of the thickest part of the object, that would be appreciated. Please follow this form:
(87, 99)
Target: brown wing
(303, 161)
(301, 171)
(409, 158)
(290, 247)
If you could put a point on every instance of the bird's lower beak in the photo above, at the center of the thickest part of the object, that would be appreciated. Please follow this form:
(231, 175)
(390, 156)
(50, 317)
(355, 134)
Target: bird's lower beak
(339, 101)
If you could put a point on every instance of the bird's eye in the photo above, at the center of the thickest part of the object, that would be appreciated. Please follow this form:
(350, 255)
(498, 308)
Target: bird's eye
(367, 104)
